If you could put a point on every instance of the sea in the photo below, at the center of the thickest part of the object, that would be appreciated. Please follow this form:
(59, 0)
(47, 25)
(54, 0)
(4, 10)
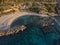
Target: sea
(33, 35)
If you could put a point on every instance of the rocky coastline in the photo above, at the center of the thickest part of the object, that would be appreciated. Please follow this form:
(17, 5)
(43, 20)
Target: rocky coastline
(13, 31)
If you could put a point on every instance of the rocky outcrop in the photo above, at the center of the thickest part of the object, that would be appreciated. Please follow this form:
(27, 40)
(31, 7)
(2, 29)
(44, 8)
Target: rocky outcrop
(12, 31)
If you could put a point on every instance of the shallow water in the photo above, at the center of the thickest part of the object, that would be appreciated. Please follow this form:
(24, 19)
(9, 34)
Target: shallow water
(33, 35)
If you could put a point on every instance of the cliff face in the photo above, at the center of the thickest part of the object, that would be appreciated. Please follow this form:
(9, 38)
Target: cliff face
(50, 5)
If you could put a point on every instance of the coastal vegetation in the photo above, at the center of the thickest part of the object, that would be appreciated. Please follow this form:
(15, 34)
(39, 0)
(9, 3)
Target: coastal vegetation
(37, 5)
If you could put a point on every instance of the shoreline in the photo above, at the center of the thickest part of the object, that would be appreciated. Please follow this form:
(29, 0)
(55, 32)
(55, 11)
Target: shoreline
(13, 31)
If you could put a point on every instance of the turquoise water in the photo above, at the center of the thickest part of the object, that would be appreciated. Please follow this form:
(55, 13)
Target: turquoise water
(33, 35)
